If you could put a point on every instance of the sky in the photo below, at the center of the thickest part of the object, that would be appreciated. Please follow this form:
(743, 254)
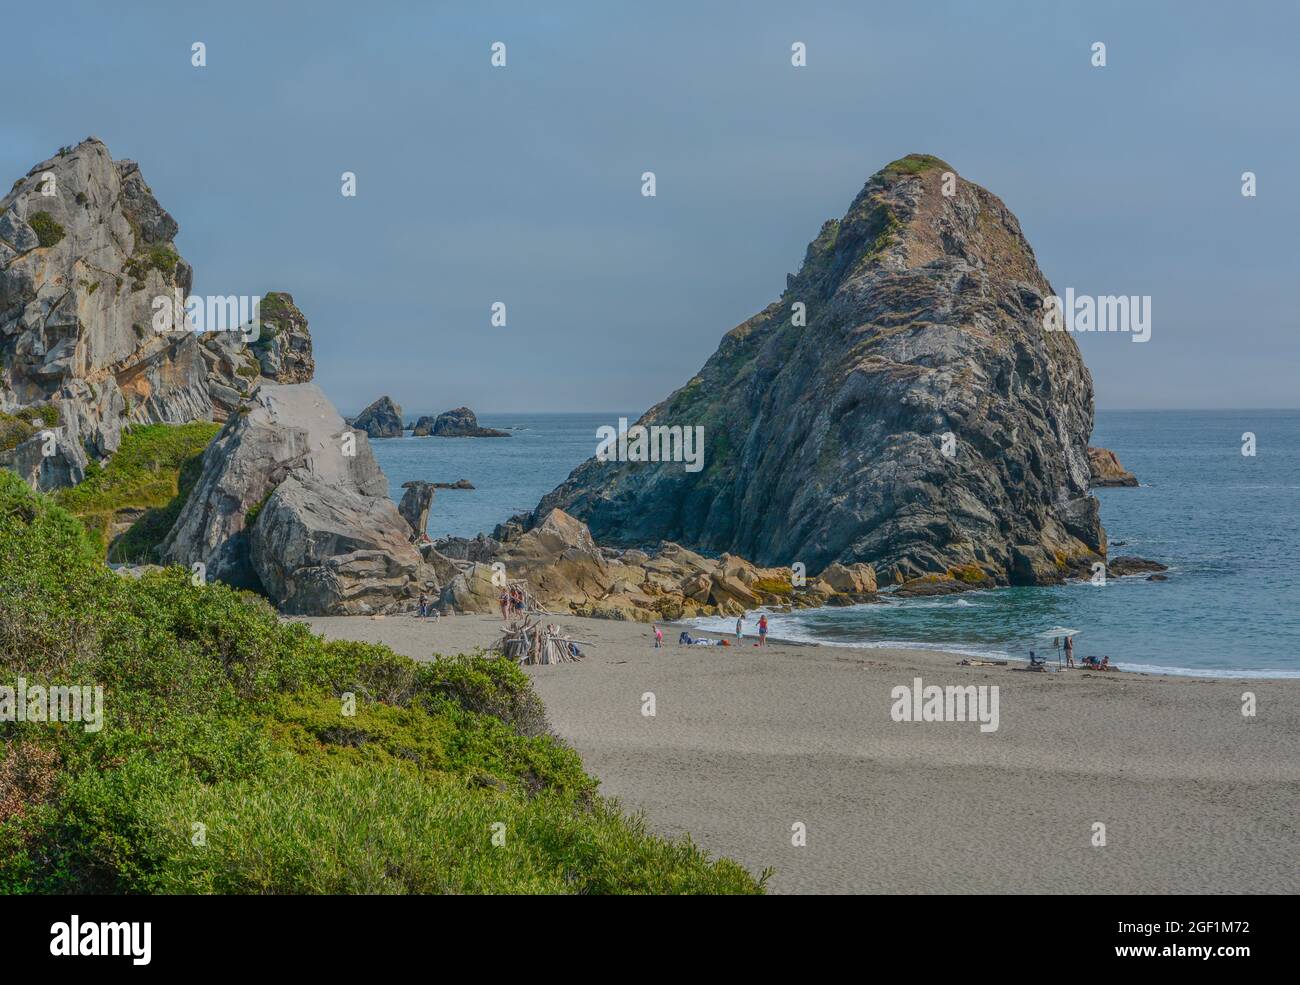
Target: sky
(522, 184)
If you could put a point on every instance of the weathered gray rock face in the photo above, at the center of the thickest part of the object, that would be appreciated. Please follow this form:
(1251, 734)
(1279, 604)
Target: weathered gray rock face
(477, 549)
(66, 467)
(415, 504)
(337, 508)
(382, 419)
(85, 249)
(320, 549)
(423, 428)
(826, 443)
(461, 423)
(283, 347)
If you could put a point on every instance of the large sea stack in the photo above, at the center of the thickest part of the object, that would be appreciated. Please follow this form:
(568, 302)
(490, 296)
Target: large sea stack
(922, 420)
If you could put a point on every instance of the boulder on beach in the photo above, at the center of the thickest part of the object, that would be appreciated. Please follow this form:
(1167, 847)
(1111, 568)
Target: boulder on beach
(321, 549)
(316, 546)
(923, 419)
(566, 571)
(1105, 469)
(461, 423)
(855, 579)
(382, 419)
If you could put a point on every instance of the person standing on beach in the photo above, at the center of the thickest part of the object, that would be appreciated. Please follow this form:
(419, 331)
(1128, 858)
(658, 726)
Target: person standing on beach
(740, 626)
(1069, 651)
(762, 630)
(659, 637)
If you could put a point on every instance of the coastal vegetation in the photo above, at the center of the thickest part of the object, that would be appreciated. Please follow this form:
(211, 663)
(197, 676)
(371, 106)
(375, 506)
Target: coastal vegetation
(153, 471)
(17, 428)
(242, 754)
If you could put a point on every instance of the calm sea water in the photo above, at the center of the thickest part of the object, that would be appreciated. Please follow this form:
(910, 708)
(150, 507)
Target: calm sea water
(1225, 523)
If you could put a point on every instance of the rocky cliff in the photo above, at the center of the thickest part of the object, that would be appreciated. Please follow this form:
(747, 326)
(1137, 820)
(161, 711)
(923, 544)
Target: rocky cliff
(85, 249)
(901, 404)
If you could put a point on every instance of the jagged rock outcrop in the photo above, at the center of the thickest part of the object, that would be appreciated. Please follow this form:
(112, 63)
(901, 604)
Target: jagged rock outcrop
(329, 542)
(923, 420)
(85, 251)
(382, 419)
(283, 345)
(423, 427)
(480, 548)
(320, 549)
(1105, 469)
(567, 571)
(461, 423)
(415, 505)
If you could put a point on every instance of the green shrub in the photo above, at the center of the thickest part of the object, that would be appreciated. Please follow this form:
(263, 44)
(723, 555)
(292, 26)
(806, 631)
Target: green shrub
(14, 431)
(17, 428)
(160, 258)
(48, 232)
(254, 511)
(218, 714)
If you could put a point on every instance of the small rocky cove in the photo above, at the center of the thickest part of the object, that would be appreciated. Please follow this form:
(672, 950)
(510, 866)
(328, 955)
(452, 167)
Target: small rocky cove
(826, 484)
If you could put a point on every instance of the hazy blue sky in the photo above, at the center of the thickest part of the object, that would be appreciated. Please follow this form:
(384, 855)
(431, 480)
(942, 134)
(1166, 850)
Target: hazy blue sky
(522, 184)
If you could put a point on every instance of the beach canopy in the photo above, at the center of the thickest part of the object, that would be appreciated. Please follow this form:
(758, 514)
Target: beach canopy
(1058, 631)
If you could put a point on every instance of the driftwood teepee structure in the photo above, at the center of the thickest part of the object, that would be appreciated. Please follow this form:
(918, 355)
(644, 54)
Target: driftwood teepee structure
(529, 642)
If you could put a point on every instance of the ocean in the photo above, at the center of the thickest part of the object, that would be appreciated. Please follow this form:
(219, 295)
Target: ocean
(1224, 522)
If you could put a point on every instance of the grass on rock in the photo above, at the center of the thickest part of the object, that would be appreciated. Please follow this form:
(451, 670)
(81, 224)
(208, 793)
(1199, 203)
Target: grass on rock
(153, 470)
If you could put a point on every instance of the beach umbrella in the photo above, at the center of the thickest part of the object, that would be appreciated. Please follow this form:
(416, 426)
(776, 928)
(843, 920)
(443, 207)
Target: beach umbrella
(1059, 631)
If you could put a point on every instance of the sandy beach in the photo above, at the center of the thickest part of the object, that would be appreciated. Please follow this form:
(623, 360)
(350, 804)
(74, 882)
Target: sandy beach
(747, 743)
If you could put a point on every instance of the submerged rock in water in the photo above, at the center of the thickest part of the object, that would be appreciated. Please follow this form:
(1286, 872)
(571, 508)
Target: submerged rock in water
(1105, 470)
(922, 420)
(1121, 566)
